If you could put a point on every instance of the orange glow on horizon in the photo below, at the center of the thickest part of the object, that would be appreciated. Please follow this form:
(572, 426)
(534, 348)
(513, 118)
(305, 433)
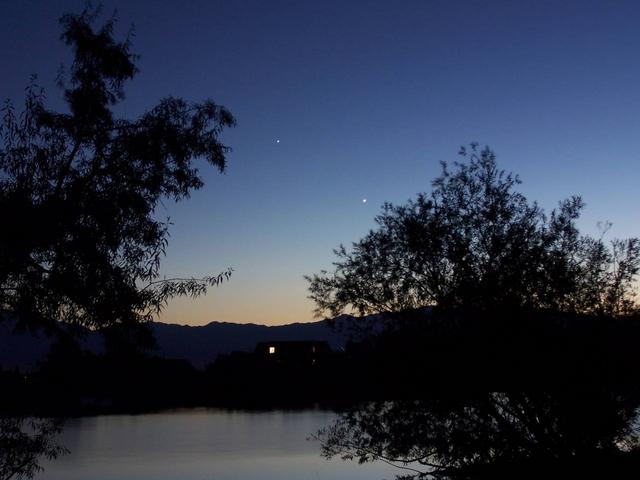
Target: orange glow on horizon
(276, 310)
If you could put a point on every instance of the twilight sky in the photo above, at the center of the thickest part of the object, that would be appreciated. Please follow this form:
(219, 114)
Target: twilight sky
(365, 98)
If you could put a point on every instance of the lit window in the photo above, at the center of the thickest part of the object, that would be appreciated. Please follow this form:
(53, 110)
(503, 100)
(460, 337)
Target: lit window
(272, 349)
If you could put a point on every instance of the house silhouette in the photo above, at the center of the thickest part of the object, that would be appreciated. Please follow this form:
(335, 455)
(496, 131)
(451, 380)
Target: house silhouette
(301, 352)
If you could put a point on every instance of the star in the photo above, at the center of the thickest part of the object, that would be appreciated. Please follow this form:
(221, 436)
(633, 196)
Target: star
(278, 141)
(364, 200)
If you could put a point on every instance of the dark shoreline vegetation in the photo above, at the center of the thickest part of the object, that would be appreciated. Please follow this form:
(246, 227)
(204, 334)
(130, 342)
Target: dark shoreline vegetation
(525, 361)
(430, 355)
(574, 377)
(511, 340)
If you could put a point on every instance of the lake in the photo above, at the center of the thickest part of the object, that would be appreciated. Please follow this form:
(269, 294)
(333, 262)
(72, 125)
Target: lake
(202, 444)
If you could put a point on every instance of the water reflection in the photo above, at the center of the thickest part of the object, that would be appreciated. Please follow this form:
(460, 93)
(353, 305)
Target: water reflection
(201, 444)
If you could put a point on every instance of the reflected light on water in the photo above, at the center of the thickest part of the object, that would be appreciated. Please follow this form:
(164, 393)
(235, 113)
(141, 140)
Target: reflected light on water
(202, 445)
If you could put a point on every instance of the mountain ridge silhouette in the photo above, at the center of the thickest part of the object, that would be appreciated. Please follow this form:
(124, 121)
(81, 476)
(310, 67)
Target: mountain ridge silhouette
(198, 344)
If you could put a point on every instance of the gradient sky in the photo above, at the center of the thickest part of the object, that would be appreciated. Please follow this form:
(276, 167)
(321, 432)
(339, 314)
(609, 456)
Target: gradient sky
(366, 97)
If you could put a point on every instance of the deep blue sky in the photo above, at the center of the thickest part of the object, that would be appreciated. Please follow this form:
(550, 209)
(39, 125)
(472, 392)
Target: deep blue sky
(366, 98)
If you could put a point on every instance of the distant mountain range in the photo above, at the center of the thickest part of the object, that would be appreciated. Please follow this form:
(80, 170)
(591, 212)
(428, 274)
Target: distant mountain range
(199, 345)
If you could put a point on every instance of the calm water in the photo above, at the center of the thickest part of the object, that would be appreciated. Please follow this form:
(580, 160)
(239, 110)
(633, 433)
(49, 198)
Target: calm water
(202, 445)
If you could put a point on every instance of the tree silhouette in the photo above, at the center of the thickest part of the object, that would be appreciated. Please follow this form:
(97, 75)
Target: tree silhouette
(81, 242)
(23, 441)
(475, 242)
(491, 435)
(513, 351)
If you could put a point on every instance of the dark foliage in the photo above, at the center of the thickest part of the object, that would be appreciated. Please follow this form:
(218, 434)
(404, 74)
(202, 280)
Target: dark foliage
(528, 435)
(23, 441)
(512, 352)
(474, 242)
(81, 241)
